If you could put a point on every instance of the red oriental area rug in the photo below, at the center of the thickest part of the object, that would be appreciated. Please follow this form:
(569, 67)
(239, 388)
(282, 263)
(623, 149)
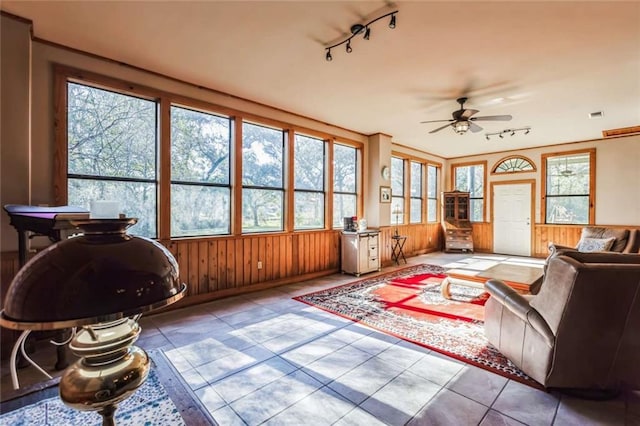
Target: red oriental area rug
(407, 303)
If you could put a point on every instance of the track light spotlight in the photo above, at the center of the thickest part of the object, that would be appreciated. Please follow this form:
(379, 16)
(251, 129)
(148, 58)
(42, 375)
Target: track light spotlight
(513, 132)
(501, 136)
(527, 132)
(488, 138)
(358, 29)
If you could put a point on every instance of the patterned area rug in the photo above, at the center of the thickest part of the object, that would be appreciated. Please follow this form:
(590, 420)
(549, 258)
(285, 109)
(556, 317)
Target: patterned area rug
(161, 400)
(407, 304)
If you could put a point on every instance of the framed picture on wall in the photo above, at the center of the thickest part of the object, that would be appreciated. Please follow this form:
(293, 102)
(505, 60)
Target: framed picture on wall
(385, 194)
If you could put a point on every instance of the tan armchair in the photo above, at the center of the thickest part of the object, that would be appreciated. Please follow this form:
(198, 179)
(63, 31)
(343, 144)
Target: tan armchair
(581, 331)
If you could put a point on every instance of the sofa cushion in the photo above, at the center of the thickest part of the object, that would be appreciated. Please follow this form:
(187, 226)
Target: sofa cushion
(621, 236)
(587, 245)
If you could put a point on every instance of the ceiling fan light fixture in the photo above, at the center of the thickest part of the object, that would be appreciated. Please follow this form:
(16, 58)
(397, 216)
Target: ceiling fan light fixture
(461, 127)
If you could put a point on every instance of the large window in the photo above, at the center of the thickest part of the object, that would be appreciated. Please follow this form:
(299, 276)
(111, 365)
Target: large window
(345, 196)
(262, 178)
(397, 190)
(568, 187)
(200, 183)
(471, 178)
(185, 168)
(432, 193)
(111, 152)
(415, 204)
(309, 182)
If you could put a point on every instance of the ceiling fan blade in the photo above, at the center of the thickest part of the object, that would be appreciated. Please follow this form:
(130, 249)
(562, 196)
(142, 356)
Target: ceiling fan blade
(467, 113)
(474, 127)
(436, 121)
(440, 128)
(492, 118)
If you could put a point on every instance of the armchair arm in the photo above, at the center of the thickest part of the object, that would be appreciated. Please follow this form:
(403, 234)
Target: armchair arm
(520, 307)
(555, 248)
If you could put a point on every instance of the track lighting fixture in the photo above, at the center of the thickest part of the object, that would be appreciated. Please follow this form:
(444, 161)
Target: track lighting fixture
(359, 29)
(511, 132)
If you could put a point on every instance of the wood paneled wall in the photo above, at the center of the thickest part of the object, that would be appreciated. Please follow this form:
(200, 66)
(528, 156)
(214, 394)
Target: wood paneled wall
(219, 267)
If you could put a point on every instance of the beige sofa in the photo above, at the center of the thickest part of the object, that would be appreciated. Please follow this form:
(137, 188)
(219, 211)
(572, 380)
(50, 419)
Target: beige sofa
(624, 240)
(581, 330)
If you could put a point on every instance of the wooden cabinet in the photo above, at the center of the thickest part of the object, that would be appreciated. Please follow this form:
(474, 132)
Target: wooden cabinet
(360, 252)
(458, 234)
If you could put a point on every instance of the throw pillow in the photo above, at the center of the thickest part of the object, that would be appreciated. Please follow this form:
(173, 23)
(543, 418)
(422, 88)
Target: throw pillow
(587, 245)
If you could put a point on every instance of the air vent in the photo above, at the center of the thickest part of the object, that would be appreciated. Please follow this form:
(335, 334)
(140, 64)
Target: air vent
(621, 131)
(597, 114)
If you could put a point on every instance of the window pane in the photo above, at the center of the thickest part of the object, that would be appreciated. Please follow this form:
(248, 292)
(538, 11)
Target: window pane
(262, 210)
(308, 163)
(568, 210)
(199, 210)
(471, 179)
(432, 182)
(110, 134)
(344, 169)
(416, 210)
(262, 156)
(397, 210)
(568, 175)
(199, 146)
(344, 205)
(416, 179)
(137, 199)
(431, 210)
(309, 210)
(477, 207)
(397, 176)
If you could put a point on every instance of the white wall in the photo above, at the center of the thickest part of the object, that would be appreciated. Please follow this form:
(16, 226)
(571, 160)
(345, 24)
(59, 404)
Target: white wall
(617, 176)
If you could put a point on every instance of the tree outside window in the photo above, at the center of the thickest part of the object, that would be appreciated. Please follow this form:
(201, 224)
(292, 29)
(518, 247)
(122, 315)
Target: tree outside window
(262, 178)
(309, 175)
(568, 188)
(112, 152)
(432, 193)
(415, 207)
(470, 178)
(344, 183)
(200, 170)
(397, 190)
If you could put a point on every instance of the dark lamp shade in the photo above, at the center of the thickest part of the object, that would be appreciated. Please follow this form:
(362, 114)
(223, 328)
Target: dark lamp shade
(103, 275)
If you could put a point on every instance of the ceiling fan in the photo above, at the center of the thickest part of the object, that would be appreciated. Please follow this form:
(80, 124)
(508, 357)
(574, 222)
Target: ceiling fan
(462, 119)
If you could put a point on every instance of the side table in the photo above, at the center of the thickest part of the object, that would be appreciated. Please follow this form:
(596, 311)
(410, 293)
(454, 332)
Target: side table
(397, 247)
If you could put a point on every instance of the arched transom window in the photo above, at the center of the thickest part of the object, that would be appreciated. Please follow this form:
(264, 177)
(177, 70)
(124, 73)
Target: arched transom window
(514, 164)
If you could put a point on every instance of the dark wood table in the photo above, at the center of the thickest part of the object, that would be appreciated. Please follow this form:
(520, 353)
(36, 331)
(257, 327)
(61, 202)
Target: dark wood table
(31, 221)
(524, 279)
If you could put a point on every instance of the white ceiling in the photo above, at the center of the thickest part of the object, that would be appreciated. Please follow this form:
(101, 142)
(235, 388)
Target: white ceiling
(549, 64)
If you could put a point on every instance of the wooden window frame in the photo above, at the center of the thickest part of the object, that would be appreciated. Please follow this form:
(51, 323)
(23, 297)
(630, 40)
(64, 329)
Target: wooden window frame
(494, 169)
(436, 197)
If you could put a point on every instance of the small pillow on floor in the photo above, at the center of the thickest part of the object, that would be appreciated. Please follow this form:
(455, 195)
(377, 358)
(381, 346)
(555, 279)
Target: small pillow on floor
(587, 245)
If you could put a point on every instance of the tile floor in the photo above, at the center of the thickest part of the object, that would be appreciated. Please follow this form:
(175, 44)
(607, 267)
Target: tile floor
(263, 358)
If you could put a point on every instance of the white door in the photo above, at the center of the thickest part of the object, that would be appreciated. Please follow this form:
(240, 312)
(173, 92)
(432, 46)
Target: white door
(512, 219)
